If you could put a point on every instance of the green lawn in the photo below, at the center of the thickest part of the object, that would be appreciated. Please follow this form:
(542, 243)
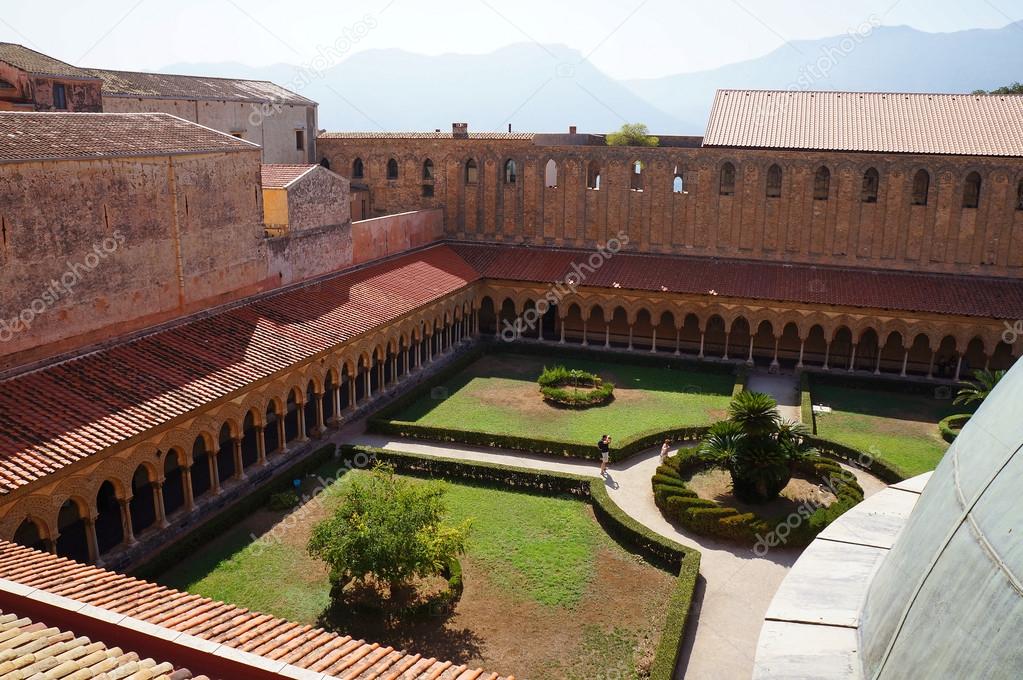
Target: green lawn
(499, 394)
(534, 559)
(901, 429)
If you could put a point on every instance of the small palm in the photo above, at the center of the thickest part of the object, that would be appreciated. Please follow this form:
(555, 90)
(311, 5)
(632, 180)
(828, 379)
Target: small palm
(977, 389)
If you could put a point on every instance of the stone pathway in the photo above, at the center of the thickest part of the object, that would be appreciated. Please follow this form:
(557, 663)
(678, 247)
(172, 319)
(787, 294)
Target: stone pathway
(785, 390)
(735, 587)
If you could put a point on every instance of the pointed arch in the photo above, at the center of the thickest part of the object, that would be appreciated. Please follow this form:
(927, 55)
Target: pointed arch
(472, 171)
(428, 169)
(971, 190)
(773, 189)
(358, 169)
(822, 184)
(550, 174)
(726, 184)
(593, 176)
(636, 176)
(510, 175)
(921, 187)
(392, 168)
(871, 182)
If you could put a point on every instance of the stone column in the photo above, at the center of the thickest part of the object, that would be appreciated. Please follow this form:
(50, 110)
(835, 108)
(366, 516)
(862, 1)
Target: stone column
(802, 344)
(368, 384)
(211, 459)
(877, 363)
(584, 333)
(827, 354)
(281, 436)
(749, 357)
(930, 367)
(260, 445)
(700, 355)
(129, 533)
(51, 545)
(186, 481)
(539, 328)
(320, 425)
(852, 359)
(630, 337)
(91, 541)
(959, 365)
(774, 361)
(302, 436)
(239, 468)
(336, 396)
(725, 355)
(678, 338)
(158, 503)
(607, 335)
(905, 360)
(653, 341)
(562, 341)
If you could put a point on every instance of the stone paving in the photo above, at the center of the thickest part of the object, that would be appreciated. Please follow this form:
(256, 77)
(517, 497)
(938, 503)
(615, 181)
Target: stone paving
(735, 587)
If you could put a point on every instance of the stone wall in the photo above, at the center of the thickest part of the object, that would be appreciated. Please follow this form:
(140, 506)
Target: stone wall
(393, 234)
(889, 233)
(320, 198)
(97, 248)
(79, 94)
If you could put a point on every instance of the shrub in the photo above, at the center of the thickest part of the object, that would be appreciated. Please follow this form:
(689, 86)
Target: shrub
(554, 383)
(949, 426)
(283, 500)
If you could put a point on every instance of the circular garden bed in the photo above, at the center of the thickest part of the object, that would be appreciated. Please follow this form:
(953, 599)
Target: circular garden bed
(574, 388)
(678, 501)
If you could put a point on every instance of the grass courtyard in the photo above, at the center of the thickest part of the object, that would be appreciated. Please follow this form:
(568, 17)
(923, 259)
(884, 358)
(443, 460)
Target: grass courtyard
(547, 593)
(901, 429)
(499, 394)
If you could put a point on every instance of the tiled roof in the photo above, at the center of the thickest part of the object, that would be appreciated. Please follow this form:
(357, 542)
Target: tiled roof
(303, 646)
(37, 63)
(57, 415)
(35, 650)
(889, 122)
(29, 136)
(168, 86)
(875, 289)
(278, 176)
(425, 135)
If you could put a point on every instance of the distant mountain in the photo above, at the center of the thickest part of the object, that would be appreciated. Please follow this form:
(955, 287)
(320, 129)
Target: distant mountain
(896, 59)
(547, 88)
(540, 89)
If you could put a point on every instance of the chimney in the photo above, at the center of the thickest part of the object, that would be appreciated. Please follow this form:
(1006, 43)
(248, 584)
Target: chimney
(460, 130)
(571, 129)
(509, 127)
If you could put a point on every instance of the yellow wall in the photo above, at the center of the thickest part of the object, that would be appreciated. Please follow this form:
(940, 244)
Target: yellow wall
(275, 207)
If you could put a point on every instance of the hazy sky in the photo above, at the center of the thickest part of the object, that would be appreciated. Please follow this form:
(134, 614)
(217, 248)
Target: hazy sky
(626, 38)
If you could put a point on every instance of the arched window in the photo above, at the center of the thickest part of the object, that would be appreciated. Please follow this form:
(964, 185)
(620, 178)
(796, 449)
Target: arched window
(821, 184)
(726, 186)
(550, 174)
(509, 171)
(358, 172)
(871, 180)
(1019, 196)
(971, 191)
(428, 169)
(392, 169)
(921, 186)
(325, 162)
(593, 176)
(678, 185)
(774, 181)
(636, 178)
(472, 172)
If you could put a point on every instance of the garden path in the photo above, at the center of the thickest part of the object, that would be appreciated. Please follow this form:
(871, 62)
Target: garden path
(735, 588)
(784, 388)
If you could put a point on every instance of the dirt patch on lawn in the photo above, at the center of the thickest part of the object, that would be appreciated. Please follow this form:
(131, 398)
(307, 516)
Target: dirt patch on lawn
(716, 485)
(507, 633)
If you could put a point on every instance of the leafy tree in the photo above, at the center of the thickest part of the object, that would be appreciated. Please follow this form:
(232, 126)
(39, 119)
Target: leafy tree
(756, 446)
(977, 389)
(1014, 88)
(632, 134)
(390, 528)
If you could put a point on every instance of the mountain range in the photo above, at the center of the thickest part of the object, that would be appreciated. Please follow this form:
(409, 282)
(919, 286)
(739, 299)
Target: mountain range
(546, 88)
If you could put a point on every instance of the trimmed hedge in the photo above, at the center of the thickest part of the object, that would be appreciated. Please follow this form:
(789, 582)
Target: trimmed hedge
(886, 382)
(887, 473)
(949, 426)
(615, 522)
(806, 404)
(705, 517)
(182, 549)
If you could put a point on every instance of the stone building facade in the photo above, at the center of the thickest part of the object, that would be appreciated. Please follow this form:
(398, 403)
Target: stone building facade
(31, 81)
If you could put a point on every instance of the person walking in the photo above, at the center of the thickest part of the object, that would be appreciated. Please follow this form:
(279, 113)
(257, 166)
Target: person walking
(604, 446)
(665, 447)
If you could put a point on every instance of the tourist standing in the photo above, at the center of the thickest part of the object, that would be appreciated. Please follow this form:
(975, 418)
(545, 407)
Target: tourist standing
(604, 446)
(665, 447)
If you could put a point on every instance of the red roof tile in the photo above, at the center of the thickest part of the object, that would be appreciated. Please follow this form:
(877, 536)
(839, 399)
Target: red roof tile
(29, 136)
(890, 122)
(279, 175)
(876, 289)
(172, 86)
(524, 136)
(54, 416)
(307, 647)
(38, 63)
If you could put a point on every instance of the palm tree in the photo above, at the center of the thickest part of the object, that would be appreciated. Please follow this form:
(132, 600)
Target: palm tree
(977, 389)
(756, 446)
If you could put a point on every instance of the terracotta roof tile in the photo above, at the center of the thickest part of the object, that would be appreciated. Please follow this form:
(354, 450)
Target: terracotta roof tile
(30, 136)
(54, 416)
(526, 136)
(347, 659)
(34, 650)
(889, 122)
(38, 63)
(172, 86)
(876, 289)
(278, 176)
